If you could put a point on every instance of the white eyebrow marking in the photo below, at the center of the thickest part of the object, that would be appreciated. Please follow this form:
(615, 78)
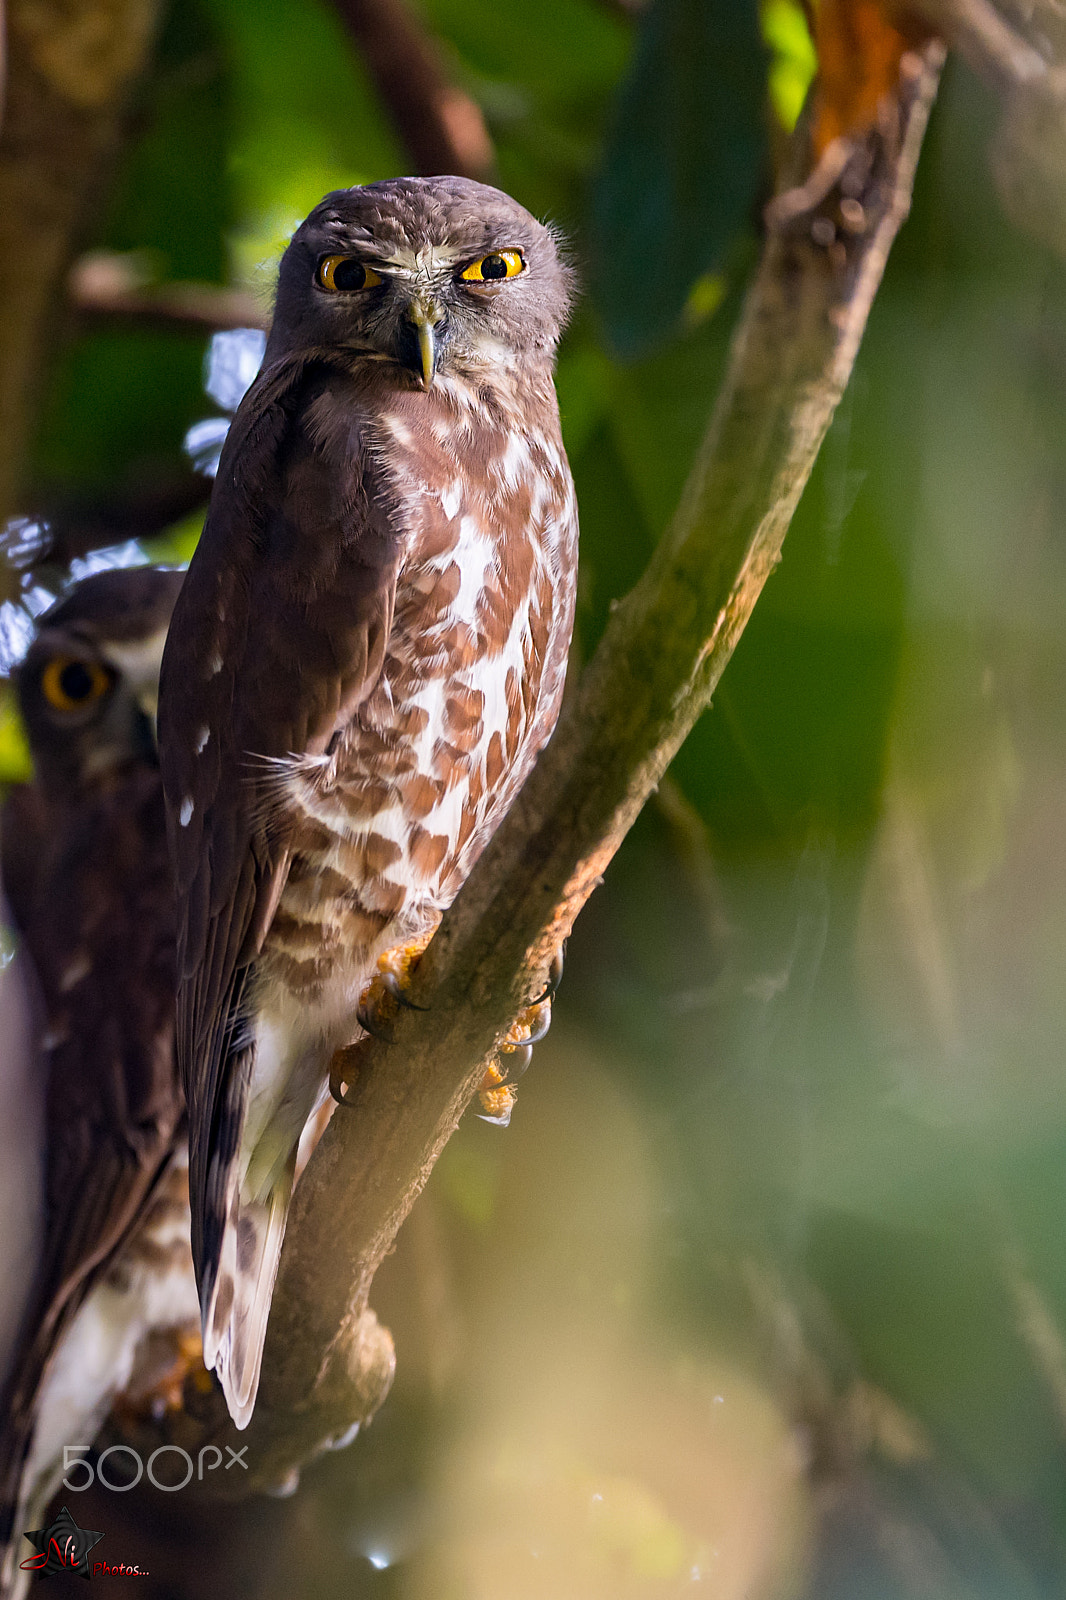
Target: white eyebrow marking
(214, 666)
(138, 658)
(185, 814)
(428, 260)
(201, 743)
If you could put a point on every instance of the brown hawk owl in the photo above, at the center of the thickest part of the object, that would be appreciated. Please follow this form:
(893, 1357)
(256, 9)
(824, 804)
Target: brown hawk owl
(87, 875)
(368, 653)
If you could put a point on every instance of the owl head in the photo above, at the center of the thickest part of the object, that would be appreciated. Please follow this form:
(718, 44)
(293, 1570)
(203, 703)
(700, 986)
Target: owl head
(89, 684)
(425, 275)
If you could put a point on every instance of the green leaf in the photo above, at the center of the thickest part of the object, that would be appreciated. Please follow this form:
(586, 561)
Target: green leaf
(794, 63)
(174, 547)
(15, 763)
(683, 164)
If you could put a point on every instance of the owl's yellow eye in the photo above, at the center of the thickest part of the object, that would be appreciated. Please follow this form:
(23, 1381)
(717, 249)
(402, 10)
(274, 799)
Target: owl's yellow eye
(344, 273)
(69, 684)
(494, 268)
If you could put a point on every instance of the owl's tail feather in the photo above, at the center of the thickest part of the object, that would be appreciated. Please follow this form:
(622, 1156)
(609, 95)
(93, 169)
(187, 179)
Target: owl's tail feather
(238, 1307)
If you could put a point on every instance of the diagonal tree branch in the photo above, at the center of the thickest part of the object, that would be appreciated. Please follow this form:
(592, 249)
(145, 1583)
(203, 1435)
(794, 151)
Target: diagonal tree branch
(327, 1362)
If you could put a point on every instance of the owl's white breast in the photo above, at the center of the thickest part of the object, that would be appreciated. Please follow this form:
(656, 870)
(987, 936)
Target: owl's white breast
(469, 691)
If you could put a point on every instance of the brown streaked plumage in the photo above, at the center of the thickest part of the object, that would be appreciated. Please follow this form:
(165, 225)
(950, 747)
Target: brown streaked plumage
(87, 875)
(367, 656)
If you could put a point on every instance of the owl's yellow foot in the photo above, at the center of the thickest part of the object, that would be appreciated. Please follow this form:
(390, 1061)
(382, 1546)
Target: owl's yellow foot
(157, 1387)
(379, 1004)
(497, 1091)
(555, 978)
(497, 1096)
(385, 993)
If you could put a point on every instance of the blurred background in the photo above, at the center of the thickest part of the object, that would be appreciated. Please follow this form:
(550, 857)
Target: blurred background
(763, 1292)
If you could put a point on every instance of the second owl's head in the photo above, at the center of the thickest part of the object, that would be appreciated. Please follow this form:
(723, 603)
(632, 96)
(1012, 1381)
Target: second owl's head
(88, 686)
(433, 275)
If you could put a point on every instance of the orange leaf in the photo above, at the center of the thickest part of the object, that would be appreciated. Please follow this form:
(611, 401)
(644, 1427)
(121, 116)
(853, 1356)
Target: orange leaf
(859, 43)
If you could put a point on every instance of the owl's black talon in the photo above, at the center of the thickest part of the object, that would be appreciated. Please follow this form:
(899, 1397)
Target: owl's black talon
(518, 1060)
(555, 976)
(341, 1079)
(538, 1030)
(363, 1017)
(337, 1090)
(393, 986)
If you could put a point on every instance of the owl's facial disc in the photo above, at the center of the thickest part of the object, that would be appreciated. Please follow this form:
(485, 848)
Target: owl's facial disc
(87, 686)
(90, 716)
(415, 295)
(435, 278)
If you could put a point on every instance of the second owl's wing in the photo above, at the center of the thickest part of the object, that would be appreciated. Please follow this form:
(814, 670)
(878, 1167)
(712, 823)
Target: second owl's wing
(99, 933)
(25, 839)
(280, 631)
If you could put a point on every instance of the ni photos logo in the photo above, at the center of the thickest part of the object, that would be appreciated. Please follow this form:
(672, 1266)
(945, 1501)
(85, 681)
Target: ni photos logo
(64, 1547)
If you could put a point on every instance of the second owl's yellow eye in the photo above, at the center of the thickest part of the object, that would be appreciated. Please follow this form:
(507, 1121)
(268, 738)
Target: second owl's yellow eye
(342, 274)
(69, 684)
(494, 268)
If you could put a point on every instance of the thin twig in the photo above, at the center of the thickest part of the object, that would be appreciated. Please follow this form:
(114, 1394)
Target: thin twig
(107, 286)
(983, 35)
(1039, 1331)
(3, 59)
(1025, 62)
(441, 127)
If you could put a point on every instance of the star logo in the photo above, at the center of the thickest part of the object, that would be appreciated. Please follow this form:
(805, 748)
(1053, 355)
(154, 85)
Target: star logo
(62, 1545)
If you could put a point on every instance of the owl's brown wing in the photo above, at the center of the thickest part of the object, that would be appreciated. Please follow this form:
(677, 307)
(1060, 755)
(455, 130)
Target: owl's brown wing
(25, 841)
(279, 633)
(98, 926)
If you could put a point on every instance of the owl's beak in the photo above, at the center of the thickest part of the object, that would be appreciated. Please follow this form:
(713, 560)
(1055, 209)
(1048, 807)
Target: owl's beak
(427, 349)
(425, 317)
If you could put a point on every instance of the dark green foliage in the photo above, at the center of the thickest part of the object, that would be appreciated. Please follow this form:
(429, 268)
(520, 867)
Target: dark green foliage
(685, 158)
(118, 402)
(172, 196)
